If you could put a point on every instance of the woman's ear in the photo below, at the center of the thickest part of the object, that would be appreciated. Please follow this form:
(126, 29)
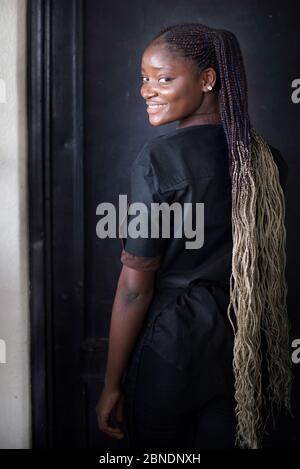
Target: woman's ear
(209, 77)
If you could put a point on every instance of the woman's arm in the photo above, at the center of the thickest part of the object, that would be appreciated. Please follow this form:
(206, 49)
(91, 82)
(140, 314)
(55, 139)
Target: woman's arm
(132, 299)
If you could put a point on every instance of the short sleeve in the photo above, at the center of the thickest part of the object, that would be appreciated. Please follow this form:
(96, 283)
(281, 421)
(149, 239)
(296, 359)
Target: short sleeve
(143, 248)
(144, 264)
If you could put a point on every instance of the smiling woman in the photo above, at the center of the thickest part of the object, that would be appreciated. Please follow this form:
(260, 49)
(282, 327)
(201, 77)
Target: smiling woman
(204, 332)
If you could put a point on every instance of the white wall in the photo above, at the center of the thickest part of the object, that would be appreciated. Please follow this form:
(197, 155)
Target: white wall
(14, 310)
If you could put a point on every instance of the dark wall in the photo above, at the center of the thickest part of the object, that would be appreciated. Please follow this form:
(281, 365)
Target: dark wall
(117, 122)
(87, 122)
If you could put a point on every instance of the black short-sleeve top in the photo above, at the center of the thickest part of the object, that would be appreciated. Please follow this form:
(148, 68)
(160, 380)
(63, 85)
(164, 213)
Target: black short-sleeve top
(186, 165)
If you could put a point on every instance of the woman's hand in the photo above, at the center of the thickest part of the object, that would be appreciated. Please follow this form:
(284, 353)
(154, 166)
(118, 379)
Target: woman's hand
(109, 399)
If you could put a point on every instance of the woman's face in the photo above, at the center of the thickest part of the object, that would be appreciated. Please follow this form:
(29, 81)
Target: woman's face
(170, 85)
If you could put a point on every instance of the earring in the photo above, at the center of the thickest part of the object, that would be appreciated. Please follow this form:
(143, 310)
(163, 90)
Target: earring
(209, 87)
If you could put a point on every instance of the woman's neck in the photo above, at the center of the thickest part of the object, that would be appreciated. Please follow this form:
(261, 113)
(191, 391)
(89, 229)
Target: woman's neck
(200, 119)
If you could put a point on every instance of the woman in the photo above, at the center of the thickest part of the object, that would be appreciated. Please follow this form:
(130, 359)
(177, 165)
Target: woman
(201, 336)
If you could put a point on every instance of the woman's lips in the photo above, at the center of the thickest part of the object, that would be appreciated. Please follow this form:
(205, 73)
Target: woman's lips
(154, 108)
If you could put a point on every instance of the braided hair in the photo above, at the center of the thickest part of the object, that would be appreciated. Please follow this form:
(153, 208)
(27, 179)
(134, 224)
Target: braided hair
(257, 309)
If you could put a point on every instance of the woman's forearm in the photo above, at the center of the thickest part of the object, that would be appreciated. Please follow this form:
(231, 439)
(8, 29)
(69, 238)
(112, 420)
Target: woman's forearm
(128, 314)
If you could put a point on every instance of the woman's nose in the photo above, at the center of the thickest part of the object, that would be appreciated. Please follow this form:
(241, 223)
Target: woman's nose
(147, 91)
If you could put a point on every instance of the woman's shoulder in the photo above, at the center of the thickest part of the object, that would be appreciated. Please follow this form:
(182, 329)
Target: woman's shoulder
(157, 143)
(278, 155)
(185, 135)
(281, 164)
(171, 142)
(157, 160)
(151, 152)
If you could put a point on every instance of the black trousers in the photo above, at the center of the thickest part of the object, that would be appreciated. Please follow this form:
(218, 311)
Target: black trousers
(168, 414)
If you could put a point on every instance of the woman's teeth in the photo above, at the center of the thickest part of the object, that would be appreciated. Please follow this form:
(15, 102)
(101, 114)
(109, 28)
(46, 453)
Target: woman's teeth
(155, 107)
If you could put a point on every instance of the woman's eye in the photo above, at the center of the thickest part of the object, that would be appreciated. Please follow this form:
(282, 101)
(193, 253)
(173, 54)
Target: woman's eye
(161, 78)
(165, 78)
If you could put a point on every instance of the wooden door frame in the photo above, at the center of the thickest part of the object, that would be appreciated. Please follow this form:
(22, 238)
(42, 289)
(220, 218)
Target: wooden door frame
(50, 23)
